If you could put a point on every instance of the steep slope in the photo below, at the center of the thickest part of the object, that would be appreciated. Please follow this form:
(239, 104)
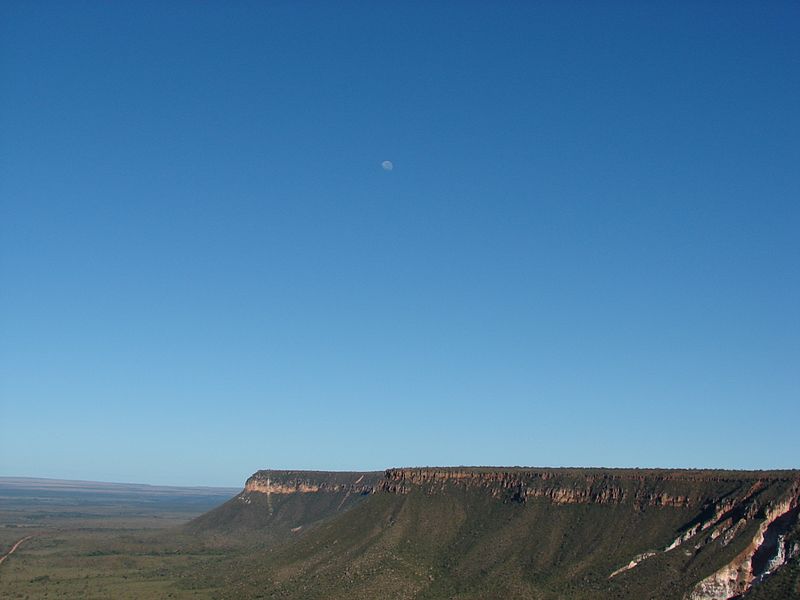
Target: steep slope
(276, 504)
(471, 533)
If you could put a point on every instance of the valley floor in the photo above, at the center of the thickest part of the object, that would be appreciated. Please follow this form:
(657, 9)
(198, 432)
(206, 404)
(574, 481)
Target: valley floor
(107, 544)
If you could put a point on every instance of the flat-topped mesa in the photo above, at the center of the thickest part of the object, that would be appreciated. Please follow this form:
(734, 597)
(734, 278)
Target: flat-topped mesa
(294, 482)
(714, 491)
(640, 487)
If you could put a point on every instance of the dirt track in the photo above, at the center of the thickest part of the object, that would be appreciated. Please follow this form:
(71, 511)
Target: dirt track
(14, 548)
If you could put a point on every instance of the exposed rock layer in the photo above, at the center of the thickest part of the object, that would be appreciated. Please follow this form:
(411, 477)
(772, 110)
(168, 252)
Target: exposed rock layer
(767, 551)
(643, 488)
(303, 482)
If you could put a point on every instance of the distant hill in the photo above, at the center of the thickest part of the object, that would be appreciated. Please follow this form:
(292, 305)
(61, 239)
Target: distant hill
(39, 491)
(12, 484)
(483, 533)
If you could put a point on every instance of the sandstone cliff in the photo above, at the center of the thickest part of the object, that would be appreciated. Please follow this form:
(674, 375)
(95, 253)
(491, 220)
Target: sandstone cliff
(290, 482)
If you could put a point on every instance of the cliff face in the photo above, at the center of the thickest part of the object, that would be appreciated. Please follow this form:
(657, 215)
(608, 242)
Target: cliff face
(718, 494)
(303, 482)
(276, 505)
(767, 551)
(642, 488)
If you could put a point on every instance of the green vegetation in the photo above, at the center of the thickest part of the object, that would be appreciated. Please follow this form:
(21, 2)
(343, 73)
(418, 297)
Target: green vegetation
(266, 519)
(467, 545)
(103, 542)
(442, 541)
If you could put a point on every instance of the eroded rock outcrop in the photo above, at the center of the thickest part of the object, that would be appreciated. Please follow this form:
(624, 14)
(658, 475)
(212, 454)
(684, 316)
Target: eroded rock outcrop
(304, 482)
(643, 488)
(726, 519)
(767, 551)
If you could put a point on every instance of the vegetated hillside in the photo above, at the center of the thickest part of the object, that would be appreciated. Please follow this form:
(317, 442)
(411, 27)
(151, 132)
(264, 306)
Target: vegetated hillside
(470, 533)
(278, 504)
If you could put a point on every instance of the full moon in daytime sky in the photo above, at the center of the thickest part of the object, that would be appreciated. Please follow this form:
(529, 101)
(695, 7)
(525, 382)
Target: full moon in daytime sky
(387, 165)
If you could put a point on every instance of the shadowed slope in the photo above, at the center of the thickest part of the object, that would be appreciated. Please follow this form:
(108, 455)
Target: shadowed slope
(276, 504)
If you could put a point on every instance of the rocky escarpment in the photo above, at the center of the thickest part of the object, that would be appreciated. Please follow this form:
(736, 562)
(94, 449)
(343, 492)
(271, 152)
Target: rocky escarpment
(719, 496)
(768, 550)
(275, 505)
(291, 482)
(640, 487)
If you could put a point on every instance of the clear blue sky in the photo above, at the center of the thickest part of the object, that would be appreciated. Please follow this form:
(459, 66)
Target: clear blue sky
(587, 252)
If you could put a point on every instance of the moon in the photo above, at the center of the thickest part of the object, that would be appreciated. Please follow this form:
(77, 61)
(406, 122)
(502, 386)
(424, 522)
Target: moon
(387, 165)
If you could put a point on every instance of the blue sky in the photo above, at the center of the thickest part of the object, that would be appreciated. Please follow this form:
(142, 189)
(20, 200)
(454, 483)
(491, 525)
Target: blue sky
(586, 254)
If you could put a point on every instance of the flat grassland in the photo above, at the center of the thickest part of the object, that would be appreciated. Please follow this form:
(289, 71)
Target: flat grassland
(98, 541)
